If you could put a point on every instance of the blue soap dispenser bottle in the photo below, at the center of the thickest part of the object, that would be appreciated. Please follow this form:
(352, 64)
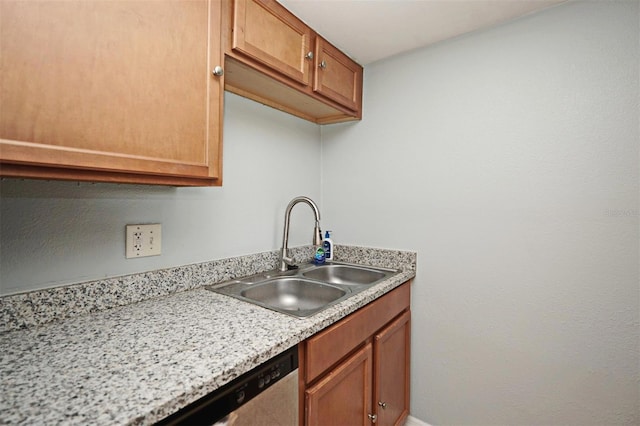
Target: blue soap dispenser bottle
(327, 245)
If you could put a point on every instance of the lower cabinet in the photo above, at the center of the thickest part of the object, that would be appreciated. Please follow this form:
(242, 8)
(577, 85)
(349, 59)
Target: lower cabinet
(356, 372)
(343, 397)
(391, 367)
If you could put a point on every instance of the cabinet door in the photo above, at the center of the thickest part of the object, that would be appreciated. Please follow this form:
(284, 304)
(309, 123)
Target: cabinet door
(391, 354)
(117, 91)
(343, 396)
(267, 32)
(337, 77)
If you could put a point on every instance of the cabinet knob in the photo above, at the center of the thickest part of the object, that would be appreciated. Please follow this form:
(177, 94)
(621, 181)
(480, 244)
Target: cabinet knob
(218, 71)
(373, 417)
(382, 404)
(323, 64)
(309, 55)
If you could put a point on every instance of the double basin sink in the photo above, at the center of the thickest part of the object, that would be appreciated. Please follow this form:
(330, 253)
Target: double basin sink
(305, 291)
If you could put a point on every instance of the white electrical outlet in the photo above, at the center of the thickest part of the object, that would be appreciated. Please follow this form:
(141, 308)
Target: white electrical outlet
(144, 240)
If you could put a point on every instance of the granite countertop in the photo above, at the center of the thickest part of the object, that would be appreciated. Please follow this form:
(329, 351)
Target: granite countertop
(137, 364)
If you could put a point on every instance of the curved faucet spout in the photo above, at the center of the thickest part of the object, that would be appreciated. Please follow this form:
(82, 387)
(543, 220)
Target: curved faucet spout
(285, 260)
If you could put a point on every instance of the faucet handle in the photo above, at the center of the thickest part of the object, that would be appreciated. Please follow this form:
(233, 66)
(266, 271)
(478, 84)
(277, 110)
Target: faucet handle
(286, 262)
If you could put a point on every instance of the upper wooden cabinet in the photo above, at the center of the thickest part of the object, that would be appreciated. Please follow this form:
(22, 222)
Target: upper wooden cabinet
(124, 91)
(111, 91)
(337, 77)
(275, 58)
(271, 35)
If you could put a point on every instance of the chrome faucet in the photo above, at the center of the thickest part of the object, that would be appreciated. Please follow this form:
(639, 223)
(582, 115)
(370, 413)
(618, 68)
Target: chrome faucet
(285, 260)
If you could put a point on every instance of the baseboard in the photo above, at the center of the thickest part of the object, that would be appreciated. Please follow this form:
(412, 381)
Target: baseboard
(412, 421)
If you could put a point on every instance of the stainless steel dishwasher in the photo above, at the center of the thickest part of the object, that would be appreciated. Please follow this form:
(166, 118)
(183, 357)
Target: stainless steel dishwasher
(265, 396)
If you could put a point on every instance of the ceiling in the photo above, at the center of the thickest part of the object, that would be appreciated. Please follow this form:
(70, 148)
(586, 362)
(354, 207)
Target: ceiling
(370, 30)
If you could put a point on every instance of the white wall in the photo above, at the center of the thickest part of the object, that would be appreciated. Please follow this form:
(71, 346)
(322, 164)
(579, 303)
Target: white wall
(55, 233)
(508, 159)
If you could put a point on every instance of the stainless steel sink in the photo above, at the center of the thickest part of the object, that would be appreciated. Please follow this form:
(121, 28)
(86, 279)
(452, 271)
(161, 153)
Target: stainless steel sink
(298, 296)
(304, 291)
(345, 274)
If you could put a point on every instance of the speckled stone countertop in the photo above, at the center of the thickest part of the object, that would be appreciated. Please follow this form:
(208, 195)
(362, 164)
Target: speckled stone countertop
(138, 363)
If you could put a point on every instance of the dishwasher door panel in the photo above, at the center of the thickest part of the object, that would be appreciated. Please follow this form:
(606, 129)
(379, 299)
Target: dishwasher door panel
(277, 406)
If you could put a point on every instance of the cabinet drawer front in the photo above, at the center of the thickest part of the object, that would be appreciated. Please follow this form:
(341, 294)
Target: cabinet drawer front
(330, 345)
(270, 34)
(337, 77)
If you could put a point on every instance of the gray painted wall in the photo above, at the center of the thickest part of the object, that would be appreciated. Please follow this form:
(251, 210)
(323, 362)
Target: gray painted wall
(55, 233)
(508, 160)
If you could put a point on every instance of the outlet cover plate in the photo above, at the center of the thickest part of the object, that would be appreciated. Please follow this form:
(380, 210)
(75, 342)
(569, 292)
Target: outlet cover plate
(144, 240)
